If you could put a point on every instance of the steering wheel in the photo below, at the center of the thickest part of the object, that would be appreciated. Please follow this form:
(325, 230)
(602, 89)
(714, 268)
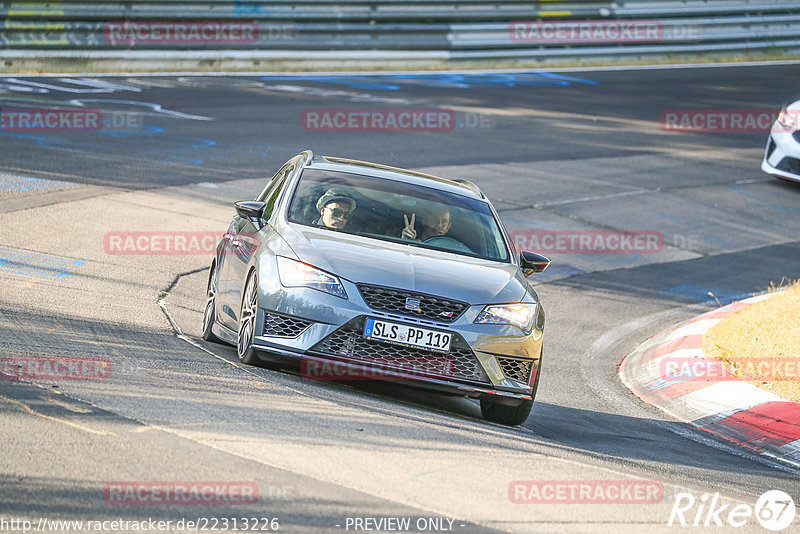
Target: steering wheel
(449, 243)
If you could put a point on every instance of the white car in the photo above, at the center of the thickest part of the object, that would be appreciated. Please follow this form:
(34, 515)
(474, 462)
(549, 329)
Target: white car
(782, 155)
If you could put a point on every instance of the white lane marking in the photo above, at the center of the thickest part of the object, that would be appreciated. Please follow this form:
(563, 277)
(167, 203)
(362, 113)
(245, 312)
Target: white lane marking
(79, 85)
(597, 197)
(157, 109)
(333, 93)
(752, 181)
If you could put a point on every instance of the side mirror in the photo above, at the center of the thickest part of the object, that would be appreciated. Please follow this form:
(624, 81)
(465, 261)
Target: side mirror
(252, 210)
(531, 262)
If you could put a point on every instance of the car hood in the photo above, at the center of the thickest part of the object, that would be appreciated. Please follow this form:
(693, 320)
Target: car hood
(371, 261)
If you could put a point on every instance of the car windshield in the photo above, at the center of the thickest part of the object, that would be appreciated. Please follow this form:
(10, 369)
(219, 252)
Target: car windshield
(385, 208)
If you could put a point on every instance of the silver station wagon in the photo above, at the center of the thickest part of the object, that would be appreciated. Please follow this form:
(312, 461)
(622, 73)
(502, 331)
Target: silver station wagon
(358, 271)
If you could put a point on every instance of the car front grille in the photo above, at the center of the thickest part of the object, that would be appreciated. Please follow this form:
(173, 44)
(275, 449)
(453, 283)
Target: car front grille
(515, 369)
(348, 342)
(277, 325)
(431, 307)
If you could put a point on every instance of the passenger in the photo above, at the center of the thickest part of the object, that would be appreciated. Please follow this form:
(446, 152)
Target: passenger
(433, 224)
(334, 209)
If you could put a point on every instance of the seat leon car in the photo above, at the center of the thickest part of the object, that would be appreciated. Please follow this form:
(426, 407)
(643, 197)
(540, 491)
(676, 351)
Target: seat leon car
(782, 154)
(354, 270)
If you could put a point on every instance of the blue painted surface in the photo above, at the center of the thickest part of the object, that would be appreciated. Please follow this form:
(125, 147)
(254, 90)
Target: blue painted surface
(761, 203)
(244, 7)
(150, 142)
(395, 82)
(616, 258)
(10, 182)
(695, 230)
(702, 294)
(146, 129)
(38, 265)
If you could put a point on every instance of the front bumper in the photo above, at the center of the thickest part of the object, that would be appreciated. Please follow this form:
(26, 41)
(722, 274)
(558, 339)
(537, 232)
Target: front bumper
(326, 368)
(782, 154)
(311, 328)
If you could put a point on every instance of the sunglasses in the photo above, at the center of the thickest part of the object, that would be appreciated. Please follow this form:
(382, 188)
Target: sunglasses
(339, 213)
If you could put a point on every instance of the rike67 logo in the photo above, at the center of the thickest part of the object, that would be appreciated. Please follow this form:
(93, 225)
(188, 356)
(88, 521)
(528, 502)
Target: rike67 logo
(774, 510)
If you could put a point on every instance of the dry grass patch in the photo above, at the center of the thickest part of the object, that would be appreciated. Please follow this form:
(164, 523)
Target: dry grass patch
(766, 330)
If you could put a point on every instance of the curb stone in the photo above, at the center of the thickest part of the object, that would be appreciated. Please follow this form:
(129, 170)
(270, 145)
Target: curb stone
(731, 409)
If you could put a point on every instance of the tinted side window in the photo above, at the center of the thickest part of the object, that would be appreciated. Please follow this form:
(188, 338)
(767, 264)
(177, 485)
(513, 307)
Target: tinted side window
(272, 195)
(275, 181)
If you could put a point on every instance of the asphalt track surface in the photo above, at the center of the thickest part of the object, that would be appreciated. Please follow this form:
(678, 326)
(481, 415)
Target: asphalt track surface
(577, 151)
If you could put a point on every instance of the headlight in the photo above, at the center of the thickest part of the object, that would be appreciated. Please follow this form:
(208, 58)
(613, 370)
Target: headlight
(787, 119)
(296, 274)
(520, 315)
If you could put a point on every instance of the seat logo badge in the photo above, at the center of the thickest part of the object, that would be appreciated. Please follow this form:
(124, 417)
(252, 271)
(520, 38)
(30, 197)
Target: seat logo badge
(412, 304)
(446, 314)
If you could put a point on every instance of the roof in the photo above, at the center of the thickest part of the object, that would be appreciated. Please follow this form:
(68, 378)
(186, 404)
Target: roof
(462, 187)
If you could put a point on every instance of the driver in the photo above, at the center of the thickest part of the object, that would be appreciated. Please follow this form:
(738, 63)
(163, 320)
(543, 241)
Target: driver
(334, 209)
(434, 223)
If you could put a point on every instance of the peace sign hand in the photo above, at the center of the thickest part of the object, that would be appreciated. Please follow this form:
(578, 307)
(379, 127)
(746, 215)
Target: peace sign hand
(408, 231)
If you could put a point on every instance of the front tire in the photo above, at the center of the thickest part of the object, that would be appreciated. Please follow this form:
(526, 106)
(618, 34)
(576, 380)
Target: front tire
(247, 322)
(506, 415)
(511, 415)
(210, 310)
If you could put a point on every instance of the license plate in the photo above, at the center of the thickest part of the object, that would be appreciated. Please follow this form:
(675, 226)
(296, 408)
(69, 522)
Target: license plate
(410, 336)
